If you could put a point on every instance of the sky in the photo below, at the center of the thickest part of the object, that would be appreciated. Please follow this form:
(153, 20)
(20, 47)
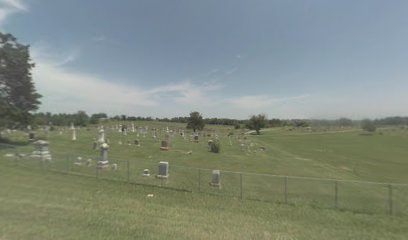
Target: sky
(223, 58)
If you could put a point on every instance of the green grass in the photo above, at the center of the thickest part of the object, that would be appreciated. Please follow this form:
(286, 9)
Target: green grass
(342, 154)
(37, 204)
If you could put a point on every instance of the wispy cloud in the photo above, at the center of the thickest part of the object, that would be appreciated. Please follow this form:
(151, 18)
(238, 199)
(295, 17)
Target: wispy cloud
(186, 92)
(42, 50)
(68, 90)
(10, 7)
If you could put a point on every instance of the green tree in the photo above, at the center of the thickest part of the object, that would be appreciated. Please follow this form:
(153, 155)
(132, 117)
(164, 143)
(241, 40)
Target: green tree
(344, 122)
(368, 125)
(195, 121)
(95, 117)
(18, 97)
(81, 118)
(256, 122)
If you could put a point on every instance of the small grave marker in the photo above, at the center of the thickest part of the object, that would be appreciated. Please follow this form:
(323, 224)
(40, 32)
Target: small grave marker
(164, 145)
(146, 173)
(216, 178)
(163, 170)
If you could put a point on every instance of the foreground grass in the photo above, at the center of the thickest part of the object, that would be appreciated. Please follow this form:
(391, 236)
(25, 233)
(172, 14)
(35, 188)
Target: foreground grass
(38, 204)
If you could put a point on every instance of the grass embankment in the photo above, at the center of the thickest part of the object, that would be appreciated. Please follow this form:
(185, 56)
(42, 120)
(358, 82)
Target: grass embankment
(37, 204)
(335, 154)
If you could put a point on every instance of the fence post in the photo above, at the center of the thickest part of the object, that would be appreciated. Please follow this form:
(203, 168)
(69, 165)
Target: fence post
(240, 182)
(390, 208)
(199, 180)
(128, 170)
(286, 189)
(16, 158)
(67, 164)
(336, 196)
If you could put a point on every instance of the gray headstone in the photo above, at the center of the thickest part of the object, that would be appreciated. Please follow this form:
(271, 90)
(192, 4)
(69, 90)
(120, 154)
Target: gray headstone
(103, 159)
(41, 150)
(163, 169)
(216, 178)
(164, 145)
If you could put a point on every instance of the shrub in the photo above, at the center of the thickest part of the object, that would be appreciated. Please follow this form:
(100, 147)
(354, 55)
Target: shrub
(215, 146)
(368, 125)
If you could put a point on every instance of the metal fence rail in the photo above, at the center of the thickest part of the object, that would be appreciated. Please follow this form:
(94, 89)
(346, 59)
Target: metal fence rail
(356, 196)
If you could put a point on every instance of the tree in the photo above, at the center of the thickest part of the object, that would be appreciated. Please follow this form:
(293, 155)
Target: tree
(18, 97)
(256, 122)
(97, 116)
(195, 121)
(81, 118)
(344, 122)
(368, 125)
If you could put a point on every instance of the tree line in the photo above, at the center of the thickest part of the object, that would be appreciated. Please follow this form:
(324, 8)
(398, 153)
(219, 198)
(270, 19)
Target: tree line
(81, 118)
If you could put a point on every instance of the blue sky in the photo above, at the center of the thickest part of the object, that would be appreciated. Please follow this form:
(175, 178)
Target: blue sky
(161, 58)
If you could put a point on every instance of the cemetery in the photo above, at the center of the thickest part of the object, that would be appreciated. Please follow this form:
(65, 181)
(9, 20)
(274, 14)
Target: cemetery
(273, 168)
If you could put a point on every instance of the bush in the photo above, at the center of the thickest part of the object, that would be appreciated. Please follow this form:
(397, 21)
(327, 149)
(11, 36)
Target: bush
(368, 125)
(215, 146)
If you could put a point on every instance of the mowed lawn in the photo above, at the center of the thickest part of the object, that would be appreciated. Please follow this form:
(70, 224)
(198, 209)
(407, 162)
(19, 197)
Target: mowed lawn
(36, 204)
(337, 154)
(40, 204)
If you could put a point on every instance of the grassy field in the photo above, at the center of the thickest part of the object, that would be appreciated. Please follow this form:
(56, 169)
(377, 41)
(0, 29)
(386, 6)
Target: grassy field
(37, 204)
(248, 172)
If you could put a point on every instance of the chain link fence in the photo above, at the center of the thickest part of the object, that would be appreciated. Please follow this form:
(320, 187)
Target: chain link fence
(356, 196)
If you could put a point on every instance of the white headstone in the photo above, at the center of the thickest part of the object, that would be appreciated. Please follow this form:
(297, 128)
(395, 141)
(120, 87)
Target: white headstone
(74, 138)
(146, 173)
(101, 138)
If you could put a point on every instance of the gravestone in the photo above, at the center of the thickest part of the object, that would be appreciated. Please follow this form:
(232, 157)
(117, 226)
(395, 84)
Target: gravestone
(89, 162)
(31, 136)
(164, 145)
(210, 143)
(74, 138)
(78, 161)
(146, 173)
(103, 158)
(101, 138)
(136, 142)
(216, 178)
(163, 170)
(41, 151)
(195, 138)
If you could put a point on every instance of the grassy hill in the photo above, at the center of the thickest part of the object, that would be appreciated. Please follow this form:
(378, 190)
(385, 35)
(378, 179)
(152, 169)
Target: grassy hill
(252, 168)
(37, 204)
